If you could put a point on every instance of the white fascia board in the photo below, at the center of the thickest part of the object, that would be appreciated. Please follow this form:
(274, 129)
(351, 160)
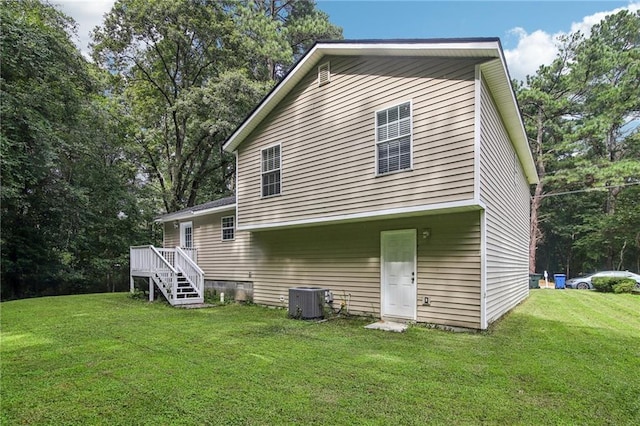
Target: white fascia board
(189, 214)
(444, 49)
(451, 49)
(272, 99)
(423, 210)
(497, 77)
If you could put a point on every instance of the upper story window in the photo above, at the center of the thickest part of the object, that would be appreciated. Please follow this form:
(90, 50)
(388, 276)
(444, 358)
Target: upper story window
(393, 138)
(271, 171)
(228, 228)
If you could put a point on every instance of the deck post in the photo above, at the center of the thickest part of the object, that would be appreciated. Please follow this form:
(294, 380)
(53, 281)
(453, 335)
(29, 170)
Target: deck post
(132, 285)
(150, 289)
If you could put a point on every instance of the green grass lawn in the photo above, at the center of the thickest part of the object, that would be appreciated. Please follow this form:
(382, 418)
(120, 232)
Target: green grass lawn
(562, 357)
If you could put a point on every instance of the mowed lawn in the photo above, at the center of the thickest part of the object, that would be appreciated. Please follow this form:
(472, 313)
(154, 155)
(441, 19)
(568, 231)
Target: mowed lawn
(562, 357)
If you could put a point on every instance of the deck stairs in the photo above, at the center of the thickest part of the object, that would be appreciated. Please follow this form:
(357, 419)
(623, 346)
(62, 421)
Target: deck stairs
(173, 271)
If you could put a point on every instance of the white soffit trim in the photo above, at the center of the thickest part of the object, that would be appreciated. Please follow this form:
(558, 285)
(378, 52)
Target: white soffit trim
(189, 214)
(423, 210)
(471, 49)
(497, 77)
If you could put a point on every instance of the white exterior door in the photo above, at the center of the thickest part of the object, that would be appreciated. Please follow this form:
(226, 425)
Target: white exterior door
(398, 274)
(186, 235)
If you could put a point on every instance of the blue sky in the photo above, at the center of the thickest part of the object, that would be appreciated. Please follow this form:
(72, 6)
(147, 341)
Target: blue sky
(527, 29)
(428, 19)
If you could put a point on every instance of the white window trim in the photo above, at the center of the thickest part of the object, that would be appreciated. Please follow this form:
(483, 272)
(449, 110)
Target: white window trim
(262, 172)
(375, 139)
(222, 228)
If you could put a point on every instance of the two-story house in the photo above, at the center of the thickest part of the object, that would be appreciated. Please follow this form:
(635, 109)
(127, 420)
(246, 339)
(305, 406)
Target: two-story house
(394, 173)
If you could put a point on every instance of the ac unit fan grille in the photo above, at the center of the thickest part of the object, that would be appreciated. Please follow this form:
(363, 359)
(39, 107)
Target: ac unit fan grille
(306, 302)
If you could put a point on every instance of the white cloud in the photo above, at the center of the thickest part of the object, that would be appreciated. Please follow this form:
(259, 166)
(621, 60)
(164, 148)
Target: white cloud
(88, 14)
(589, 21)
(539, 47)
(532, 51)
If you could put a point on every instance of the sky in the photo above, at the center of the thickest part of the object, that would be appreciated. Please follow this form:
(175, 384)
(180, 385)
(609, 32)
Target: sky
(527, 29)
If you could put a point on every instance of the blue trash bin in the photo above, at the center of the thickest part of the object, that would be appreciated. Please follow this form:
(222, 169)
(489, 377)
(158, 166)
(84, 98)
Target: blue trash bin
(559, 280)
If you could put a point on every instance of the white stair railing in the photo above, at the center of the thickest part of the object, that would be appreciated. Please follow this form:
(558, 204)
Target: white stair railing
(168, 267)
(164, 274)
(192, 252)
(140, 259)
(168, 254)
(190, 270)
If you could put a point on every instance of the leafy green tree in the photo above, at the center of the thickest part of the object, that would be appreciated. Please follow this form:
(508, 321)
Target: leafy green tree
(607, 69)
(71, 201)
(189, 72)
(278, 32)
(43, 82)
(116, 209)
(171, 63)
(544, 101)
(588, 153)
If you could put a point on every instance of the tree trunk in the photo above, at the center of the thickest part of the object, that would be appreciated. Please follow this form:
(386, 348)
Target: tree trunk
(535, 233)
(271, 66)
(612, 195)
(534, 230)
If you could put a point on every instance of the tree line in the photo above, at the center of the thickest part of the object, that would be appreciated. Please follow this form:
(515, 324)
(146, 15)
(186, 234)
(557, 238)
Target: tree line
(582, 116)
(92, 150)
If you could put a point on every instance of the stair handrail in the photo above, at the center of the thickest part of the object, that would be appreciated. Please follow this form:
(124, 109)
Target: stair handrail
(190, 270)
(162, 258)
(174, 272)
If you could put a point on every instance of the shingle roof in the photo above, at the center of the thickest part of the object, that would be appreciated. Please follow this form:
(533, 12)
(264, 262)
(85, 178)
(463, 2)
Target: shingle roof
(186, 212)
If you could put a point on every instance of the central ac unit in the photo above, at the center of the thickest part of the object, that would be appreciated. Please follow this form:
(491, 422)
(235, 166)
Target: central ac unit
(306, 302)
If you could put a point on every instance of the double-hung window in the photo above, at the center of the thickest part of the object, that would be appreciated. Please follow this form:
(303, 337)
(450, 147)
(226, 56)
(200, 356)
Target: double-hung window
(228, 228)
(393, 139)
(271, 171)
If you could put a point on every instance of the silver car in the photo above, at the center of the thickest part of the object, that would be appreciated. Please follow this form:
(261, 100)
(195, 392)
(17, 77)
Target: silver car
(584, 283)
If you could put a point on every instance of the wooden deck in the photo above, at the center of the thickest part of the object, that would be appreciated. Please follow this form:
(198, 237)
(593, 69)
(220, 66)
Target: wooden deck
(173, 271)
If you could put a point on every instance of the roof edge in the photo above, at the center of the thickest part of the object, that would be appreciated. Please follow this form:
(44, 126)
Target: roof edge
(189, 214)
(213, 206)
(344, 47)
(412, 40)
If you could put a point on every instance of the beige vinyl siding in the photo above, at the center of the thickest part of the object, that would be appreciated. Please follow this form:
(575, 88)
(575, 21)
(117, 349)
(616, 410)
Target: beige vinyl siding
(171, 235)
(328, 141)
(346, 259)
(220, 260)
(505, 192)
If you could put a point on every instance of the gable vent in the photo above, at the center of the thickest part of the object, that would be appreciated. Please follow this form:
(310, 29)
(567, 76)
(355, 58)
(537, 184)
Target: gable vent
(324, 75)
